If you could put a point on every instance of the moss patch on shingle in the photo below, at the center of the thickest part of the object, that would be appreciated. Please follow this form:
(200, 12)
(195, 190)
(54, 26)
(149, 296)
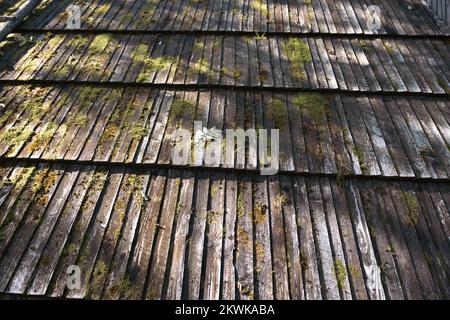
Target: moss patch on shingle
(298, 54)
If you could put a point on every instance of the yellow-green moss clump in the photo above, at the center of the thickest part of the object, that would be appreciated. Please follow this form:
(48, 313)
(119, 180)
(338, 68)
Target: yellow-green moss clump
(413, 205)
(99, 43)
(260, 6)
(312, 105)
(341, 273)
(181, 107)
(298, 54)
(100, 272)
(43, 137)
(278, 113)
(150, 64)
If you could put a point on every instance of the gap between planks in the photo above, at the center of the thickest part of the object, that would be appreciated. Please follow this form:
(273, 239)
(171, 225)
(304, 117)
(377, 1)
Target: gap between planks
(172, 86)
(150, 166)
(239, 33)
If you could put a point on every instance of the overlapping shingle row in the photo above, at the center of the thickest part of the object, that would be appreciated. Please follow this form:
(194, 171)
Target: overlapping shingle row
(323, 16)
(418, 66)
(147, 234)
(332, 134)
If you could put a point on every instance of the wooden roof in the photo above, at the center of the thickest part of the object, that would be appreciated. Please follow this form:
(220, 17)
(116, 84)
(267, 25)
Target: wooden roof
(360, 208)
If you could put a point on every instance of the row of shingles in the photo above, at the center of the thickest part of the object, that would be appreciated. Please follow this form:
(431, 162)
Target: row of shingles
(324, 16)
(133, 234)
(345, 64)
(337, 134)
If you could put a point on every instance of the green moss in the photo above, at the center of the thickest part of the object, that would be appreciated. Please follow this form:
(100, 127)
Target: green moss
(181, 107)
(99, 12)
(247, 292)
(304, 260)
(413, 205)
(199, 45)
(259, 213)
(21, 179)
(312, 105)
(372, 230)
(83, 257)
(280, 201)
(233, 73)
(42, 184)
(103, 9)
(99, 43)
(38, 179)
(150, 65)
(138, 131)
(341, 273)
(214, 190)
(98, 275)
(260, 255)
(389, 48)
(240, 205)
(45, 261)
(260, 6)
(278, 113)
(212, 217)
(263, 75)
(354, 271)
(80, 119)
(389, 249)
(260, 36)
(200, 67)
(70, 250)
(14, 136)
(298, 54)
(10, 218)
(361, 158)
(125, 288)
(43, 137)
(242, 236)
(126, 18)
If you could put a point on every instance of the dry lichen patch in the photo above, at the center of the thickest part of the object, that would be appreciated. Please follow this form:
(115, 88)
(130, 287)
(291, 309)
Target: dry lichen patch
(259, 252)
(279, 202)
(259, 213)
